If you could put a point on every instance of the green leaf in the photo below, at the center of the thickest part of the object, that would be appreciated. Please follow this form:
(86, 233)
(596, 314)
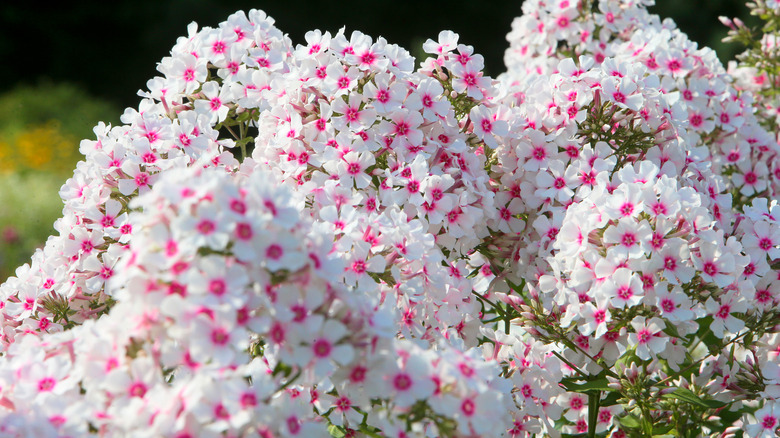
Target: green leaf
(611, 399)
(630, 422)
(600, 384)
(671, 330)
(662, 430)
(685, 395)
(335, 431)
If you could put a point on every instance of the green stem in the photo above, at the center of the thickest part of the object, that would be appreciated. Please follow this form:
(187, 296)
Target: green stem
(242, 134)
(647, 422)
(594, 398)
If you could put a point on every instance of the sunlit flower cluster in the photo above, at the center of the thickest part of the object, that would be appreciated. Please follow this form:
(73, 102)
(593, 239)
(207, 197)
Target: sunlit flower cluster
(321, 240)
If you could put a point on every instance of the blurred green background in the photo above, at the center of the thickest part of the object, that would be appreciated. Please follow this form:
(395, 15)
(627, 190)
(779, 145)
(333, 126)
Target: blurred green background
(70, 65)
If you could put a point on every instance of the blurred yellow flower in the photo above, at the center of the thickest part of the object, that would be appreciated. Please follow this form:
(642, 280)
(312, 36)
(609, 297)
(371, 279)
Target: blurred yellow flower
(43, 147)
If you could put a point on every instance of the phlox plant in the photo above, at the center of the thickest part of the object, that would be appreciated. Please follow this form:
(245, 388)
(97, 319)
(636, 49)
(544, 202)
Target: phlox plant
(322, 240)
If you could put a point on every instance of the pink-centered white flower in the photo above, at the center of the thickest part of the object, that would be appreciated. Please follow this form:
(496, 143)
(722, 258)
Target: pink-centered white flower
(628, 239)
(486, 126)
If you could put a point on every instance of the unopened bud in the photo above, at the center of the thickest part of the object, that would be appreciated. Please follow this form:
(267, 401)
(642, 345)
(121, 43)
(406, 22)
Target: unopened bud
(726, 22)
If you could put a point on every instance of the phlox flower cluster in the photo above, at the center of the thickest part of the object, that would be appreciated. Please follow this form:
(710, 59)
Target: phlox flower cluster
(188, 280)
(323, 240)
(210, 338)
(707, 142)
(384, 158)
(711, 110)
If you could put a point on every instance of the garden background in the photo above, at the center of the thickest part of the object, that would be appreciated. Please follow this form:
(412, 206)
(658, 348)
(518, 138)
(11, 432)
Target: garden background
(69, 67)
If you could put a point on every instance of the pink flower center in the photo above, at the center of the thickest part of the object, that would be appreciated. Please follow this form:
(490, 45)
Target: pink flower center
(238, 206)
(177, 289)
(293, 425)
(46, 384)
(137, 389)
(149, 157)
(274, 252)
(142, 179)
(402, 382)
(763, 296)
(217, 287)
(218, 47)
(220, 336)
(206, 227)
(321, 348)
(44, 323)
(358, 374)
(487, 126)
(277, 333)
(248, 399)
(244, 231)
(724, 311)
(467, 407)
(368, 58)
(343, 404)
(221, 412)
(107, 222)
(353, 168)
(359, 266)
(657, 241)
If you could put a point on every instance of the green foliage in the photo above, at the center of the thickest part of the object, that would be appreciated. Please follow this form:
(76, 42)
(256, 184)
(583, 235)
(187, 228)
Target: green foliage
(30, 205)
(41, 127)
(76, 111)
(40, 130)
